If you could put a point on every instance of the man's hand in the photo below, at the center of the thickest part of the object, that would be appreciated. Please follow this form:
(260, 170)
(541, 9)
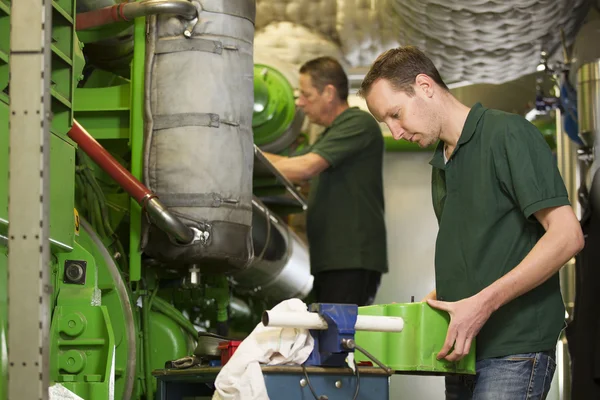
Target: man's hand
(430, 296)
(466, 319)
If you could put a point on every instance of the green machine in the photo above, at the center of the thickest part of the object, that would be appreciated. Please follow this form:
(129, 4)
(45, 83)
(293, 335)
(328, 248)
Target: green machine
(116, 314)
(137, 267)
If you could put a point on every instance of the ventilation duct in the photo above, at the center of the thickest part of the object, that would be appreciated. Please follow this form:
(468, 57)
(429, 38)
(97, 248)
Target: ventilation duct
(487, 41)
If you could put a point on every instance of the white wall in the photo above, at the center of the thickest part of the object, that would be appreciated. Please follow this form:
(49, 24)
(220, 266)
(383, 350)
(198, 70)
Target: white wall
(411, 232)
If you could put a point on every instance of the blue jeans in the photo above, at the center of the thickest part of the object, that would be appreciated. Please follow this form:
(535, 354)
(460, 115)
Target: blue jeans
(517, 377)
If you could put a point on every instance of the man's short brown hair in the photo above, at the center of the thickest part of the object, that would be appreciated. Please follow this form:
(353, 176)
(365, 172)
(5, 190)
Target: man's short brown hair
(400, 67)
(325, 71)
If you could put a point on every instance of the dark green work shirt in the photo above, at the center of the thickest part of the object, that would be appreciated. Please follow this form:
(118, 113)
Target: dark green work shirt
(500, 174)
(345, 219)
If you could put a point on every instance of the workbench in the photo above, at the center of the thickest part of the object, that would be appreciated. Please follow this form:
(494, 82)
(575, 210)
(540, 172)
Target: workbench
(282, 382)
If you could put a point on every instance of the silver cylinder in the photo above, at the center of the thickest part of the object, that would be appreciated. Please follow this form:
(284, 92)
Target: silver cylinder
(168, 222)
(281, 268)
(588, 104)
(566, 151)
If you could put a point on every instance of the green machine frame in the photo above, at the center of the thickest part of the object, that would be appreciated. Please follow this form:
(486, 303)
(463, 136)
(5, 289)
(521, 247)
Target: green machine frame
(105, 320)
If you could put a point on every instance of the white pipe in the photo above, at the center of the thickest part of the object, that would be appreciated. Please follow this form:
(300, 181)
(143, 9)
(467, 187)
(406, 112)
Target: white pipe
(282, 319)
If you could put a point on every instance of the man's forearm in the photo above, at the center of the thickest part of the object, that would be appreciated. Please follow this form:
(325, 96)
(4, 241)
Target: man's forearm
(295, 170)
(546, 258)
(273, 158)
(288, 168)
(299, 169)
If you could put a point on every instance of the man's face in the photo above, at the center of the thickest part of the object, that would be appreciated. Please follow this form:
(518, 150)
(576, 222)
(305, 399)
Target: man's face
(411, 118)
(314, 104)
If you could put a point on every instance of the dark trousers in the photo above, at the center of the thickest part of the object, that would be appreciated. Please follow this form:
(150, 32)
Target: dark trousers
(347, 286)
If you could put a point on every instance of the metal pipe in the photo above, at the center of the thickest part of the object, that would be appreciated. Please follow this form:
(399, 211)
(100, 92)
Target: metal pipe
(310, 320)
(588, 104)
(159, 214)
(129, 11)
(168, 222)
(567, 165)
(103, 158)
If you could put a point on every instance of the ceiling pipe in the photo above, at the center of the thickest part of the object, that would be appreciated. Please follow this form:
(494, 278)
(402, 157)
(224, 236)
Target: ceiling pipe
(129, 11)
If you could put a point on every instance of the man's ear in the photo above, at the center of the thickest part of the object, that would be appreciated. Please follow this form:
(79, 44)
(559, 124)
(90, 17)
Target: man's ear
(329, 92)
(424, 83)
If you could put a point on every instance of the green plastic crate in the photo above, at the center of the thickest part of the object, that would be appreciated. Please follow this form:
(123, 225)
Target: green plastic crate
(416, 347)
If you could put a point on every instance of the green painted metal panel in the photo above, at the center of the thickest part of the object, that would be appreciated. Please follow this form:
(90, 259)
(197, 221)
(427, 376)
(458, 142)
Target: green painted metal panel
(392, 144)
(63, 51)
(137, 144)
(62, 185)
(117, 309)
(104, 112)
(67, 66)
(82, 343)
(3, 321)
(274, 107)
(65, 7)
(4, 139)
(416, 347)
(62, 191)
(4, 46)
(168, 341)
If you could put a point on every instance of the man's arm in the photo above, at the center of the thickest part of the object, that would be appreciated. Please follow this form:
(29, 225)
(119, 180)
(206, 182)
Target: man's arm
(273, 158)
(299, 169)
(562, 240)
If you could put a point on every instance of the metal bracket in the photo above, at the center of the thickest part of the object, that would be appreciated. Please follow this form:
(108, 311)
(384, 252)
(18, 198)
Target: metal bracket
(189, 27)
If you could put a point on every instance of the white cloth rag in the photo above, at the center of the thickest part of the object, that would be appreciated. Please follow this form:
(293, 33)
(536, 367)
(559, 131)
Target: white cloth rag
(241, 378)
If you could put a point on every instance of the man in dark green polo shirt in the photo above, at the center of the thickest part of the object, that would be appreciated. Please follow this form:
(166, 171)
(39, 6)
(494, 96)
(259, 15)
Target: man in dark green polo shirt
(505, 227)
(345, 220)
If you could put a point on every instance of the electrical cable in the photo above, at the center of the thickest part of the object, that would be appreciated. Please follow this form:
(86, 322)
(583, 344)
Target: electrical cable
(375, 360)
(314, 393)
(94, 202)
(312, 390)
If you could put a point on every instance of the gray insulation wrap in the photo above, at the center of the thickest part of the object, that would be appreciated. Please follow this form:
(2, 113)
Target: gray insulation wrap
(199, 141)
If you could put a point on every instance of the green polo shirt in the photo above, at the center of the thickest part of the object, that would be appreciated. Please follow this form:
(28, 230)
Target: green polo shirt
(500, 174)
(345, 218)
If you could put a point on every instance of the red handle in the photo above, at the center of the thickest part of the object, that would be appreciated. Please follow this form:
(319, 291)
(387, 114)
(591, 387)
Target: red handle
(119, 173)
(99, 17)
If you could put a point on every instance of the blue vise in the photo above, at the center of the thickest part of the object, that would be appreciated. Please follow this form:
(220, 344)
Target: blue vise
(329, 347)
